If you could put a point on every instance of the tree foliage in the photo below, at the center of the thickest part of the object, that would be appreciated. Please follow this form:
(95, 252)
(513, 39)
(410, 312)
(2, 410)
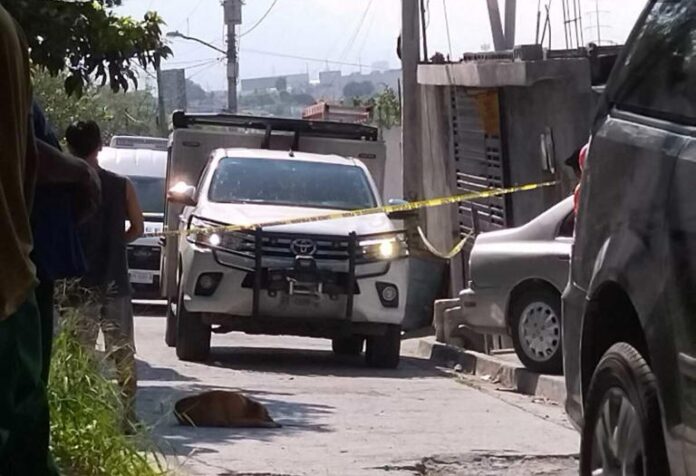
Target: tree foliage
(281, 84)
(122, 113)
(195, 91)
(86, 40)
(356, 89)
(386, 110)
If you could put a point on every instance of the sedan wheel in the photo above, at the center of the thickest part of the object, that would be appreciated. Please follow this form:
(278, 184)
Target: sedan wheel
(536, 330)
(540, 331)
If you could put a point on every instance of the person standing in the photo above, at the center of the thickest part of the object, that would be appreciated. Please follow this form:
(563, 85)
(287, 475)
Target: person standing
(23, 401)
(57, 250)
(104, 239)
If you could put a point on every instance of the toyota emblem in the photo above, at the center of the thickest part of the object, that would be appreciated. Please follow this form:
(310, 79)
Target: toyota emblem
(303, 247)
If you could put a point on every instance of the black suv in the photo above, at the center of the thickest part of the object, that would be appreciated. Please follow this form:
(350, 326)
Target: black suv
(629, 312)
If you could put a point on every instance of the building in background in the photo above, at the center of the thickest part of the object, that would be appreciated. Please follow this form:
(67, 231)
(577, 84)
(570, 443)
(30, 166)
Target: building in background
(286, 82)
(173, 90)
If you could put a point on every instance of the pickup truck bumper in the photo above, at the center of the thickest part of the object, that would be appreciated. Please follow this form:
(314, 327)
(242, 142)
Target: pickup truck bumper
(233, 296)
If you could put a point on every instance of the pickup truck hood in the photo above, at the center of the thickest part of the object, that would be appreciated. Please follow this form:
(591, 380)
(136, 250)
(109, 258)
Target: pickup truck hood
(251, 214)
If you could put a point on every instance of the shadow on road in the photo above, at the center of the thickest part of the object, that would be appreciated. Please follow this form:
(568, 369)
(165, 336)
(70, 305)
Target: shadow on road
(304, 362)
(160, 374)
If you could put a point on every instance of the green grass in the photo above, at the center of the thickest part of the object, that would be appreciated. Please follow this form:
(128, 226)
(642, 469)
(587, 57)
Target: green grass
(86, 415)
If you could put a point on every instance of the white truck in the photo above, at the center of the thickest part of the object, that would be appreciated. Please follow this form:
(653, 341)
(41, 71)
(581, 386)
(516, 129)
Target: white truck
(144, 161)
(342, 279)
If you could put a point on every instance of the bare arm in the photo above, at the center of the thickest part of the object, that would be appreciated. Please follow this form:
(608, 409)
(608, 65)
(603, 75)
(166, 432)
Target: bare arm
(135, 214)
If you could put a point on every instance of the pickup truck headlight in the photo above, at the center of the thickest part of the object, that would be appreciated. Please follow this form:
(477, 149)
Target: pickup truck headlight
(384, 248)
(202, 233)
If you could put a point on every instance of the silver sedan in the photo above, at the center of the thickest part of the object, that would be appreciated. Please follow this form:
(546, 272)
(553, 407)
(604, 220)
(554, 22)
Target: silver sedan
(516, 280)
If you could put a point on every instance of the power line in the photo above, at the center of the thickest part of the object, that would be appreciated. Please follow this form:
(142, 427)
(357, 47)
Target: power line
(263, 17)
(368, 30)
(187, 17)
(208, 62)
(192, 64)
(303, 58)
(214, 63)
(350, 43)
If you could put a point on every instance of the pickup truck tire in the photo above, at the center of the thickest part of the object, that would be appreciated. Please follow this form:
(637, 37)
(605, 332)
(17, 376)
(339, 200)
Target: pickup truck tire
(352, 345)
(192, 335)
(384, 352)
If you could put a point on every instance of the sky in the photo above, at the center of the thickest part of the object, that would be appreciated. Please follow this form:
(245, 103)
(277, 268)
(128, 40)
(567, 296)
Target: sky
(351, 35)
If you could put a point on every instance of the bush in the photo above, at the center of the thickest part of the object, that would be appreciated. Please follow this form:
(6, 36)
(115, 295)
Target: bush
(87, 414)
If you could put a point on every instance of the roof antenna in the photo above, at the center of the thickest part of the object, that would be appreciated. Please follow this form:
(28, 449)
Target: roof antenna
(291, 153)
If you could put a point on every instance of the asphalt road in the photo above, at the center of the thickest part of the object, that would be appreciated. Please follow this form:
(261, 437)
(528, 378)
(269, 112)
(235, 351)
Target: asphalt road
(341, 418)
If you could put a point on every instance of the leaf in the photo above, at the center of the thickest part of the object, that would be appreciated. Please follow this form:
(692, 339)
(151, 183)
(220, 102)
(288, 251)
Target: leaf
(86, 36)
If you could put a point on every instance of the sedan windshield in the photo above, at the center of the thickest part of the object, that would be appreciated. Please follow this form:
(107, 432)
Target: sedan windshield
(292, 183)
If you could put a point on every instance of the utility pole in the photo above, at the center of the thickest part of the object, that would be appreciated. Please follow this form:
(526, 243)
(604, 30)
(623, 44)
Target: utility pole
(233, 17)
(510, 23)
(411, 109)
(496, 25)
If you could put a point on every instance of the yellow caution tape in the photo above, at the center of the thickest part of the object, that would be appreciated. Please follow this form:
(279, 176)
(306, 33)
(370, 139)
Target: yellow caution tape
(418, 205)
(446, 256)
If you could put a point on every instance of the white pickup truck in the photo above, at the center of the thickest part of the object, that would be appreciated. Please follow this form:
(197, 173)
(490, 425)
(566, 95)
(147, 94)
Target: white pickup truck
(343, 279)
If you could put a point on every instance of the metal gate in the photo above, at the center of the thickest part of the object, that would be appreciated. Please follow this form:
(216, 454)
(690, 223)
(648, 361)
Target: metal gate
(478, 161)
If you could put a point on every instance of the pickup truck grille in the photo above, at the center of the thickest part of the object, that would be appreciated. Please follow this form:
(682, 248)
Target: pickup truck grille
(284, 246)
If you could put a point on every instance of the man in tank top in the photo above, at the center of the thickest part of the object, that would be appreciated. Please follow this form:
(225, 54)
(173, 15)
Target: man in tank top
(104, 238)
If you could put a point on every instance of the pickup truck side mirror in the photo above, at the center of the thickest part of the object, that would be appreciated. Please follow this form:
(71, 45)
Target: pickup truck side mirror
(183, 194)
(401, 214)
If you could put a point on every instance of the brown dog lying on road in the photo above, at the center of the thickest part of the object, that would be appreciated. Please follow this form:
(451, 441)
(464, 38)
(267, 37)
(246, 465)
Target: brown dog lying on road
(223, 409)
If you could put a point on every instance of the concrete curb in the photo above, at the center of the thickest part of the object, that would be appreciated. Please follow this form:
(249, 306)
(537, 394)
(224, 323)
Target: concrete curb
(508, 375)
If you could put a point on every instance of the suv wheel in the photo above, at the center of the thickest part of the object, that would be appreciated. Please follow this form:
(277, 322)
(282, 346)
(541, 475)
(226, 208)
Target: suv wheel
(623, 428)
(352, 345)
(384, 351)
(535, 322)
(192, 335)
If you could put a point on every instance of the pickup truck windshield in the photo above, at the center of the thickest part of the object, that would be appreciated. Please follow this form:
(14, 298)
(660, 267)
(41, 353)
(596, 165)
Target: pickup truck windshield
(291, 183)
(150, 192)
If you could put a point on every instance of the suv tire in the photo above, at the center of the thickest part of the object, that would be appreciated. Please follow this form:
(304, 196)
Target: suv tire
(352, 345)
(384, 351)
(623, 384)
(528, 314)
(192, 335)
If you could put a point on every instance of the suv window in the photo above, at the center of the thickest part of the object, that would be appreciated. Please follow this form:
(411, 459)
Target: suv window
(291, 183)
(659, 73)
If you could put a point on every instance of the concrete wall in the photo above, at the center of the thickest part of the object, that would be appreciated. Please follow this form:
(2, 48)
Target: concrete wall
(563, 107)
(438, 176)
(394, 169)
